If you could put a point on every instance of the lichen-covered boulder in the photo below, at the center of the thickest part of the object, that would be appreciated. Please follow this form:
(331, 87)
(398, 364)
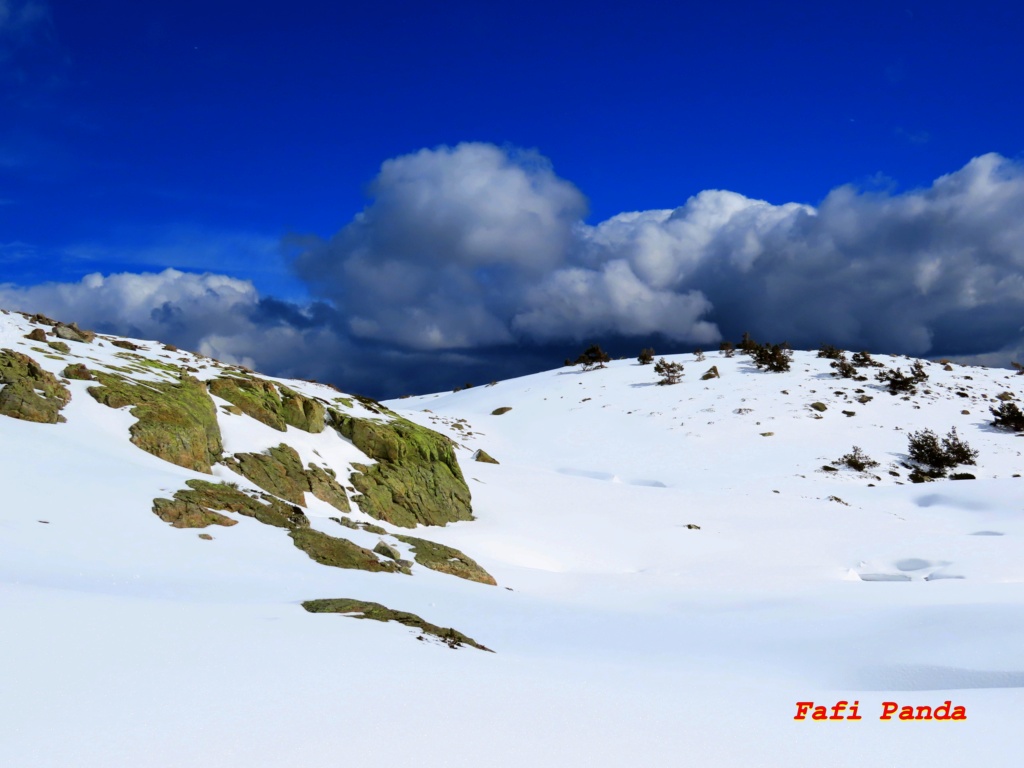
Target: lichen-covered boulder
(29, 392)
(448, 560)
(363, 609)
(485, 457)
(416, 479)
(279, 470)
(341, 553)
(72, 332)
(201, 504)
(276, 406)
(77, 371)
(175, 421)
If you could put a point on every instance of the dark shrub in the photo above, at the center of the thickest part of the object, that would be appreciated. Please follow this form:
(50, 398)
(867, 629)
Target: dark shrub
(858, 460)
(727, 348)
(1008, 416)
(926, 449)
(863, 360)
(592, 357)
(646, 356)
(670, 373)
(772, 357)
(900, 383)
(831, 353)
(844, 369)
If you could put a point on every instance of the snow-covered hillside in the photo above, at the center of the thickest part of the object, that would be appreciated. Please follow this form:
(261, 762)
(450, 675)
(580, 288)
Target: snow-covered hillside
(676, 567)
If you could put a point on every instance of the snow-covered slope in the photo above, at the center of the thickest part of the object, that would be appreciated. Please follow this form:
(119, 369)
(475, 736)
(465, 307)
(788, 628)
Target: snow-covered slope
(675, 571)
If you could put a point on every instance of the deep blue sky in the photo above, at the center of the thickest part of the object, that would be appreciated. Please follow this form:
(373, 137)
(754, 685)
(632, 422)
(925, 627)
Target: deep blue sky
(140, 135)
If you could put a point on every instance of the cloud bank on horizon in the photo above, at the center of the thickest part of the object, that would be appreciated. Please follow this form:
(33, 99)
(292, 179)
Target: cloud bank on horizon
(468, 250)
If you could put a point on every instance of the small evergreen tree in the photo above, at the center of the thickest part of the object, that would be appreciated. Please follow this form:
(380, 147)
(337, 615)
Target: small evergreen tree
(844, 368)
(698, 355)
(747, 344)
(863, 360)
(918, 373)
(646, 356)
(727, 348)
(772, 357)
(857, 460)
(831, 353)
(592, 357)
(670, 373)
(926, 449)
(1008, 416)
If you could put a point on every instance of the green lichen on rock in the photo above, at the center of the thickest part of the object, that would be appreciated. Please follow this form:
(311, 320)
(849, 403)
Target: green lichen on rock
(29, 392)
(448, 560)
(274, 405)
(500, 411)
(324, 486)
(362, 609)
(77, 371)
(485, 457)
(348, 522)
(175, 421)
(279, 470)
(341, 553)
(416, 479)
(201, 504)
(386, 550)
(59, 346)
(142, 362)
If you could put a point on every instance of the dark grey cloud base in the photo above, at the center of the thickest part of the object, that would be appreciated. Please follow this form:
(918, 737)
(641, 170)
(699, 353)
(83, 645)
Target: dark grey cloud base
(473, 263)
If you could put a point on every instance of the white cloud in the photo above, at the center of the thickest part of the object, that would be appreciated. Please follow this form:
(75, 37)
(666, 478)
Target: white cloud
(472, 248)
(475, 246)
(147, 305)
(452, 239)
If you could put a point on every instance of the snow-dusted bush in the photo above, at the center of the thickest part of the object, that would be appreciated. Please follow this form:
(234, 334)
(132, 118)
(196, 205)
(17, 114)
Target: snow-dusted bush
(926, 449)
(901, 383)
(772, 357)
(592, 357)
(670, 373)
(857, 460)
(1008, 416)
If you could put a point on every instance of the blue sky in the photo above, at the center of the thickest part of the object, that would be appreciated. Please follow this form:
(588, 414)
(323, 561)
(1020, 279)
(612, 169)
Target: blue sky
(244, 140)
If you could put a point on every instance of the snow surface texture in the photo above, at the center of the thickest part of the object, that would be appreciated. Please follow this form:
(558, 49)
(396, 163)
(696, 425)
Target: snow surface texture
(623, 635)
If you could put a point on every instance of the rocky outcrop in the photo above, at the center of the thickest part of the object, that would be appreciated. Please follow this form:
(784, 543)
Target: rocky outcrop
(362, 609)
(279, 470)
(438, 557)
(175, 421)
(72, 332)
(485, 457)
(201, 504)
(416, 479)
(341, 553)
(274, 405)
(29, 392)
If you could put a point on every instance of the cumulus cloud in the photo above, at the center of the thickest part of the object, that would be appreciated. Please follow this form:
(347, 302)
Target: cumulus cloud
(442, 256)
(465, 253)
(475, 246)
